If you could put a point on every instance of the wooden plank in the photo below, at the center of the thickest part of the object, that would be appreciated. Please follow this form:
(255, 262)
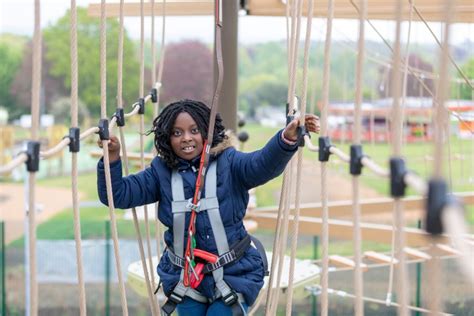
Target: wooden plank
(345, 262)
(173, 8)
(416, 254)
(379, 257)
(448, 249)
(343, 209)
(343, 229)
(377, 9)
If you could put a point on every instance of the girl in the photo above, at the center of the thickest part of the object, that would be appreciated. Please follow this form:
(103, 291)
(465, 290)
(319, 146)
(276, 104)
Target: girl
(224, 273)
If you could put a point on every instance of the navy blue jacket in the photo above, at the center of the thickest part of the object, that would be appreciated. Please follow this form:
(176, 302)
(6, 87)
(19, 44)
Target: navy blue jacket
(237, 172)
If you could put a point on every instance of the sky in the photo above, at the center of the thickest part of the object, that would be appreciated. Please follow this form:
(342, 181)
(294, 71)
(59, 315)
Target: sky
(17, 17)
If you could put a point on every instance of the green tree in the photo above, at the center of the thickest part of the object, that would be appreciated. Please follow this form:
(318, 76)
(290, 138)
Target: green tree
(465, 90)
(56, 39)
(11, 51)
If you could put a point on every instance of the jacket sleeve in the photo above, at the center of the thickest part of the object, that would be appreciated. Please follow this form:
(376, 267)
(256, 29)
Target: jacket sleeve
(131, 191)
(258, 167)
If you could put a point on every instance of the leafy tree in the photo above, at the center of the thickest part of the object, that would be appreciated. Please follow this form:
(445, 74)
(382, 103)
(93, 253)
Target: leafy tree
(51, 87)
(188, 72)
(11, 51)
(56, 39)
(413, 87)
(465, 91)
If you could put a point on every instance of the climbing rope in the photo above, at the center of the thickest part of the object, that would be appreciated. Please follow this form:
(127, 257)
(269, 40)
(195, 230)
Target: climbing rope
(302, 109)
(74, 169)
(402, 292)
(358, 279)
(105, 142)
(277, 264)
(35, 110)
(324, 191)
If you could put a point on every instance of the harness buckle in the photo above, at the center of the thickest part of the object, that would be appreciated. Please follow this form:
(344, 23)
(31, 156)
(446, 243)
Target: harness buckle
(175, 298)
(193, 207)
(230, 299)
(170, 305)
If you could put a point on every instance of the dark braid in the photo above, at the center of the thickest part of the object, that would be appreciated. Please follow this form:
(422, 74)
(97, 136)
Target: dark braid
(164, 122)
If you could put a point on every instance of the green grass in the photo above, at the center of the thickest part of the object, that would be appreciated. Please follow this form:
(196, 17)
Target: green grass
(93, 221)
(86, 183)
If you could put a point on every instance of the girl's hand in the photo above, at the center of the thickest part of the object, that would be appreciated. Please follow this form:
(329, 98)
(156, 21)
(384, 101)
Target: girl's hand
(114, 148)
(311, 122)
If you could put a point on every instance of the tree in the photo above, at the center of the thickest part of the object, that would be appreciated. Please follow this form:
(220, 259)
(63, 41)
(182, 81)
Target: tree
(413, 86)
(56, 39)
(11, 51)
(188, 72)
(465, 91)
(51, 87)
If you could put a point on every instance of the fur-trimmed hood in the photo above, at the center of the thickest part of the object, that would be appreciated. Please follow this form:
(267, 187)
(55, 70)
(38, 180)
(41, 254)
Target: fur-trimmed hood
(230, 141)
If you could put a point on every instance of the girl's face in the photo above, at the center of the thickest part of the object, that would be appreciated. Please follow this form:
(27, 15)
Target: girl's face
(186, 139)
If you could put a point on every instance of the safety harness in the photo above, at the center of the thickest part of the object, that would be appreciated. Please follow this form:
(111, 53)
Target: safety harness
(206, 262)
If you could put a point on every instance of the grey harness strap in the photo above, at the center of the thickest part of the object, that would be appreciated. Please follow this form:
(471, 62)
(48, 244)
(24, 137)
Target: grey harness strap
(180, 206)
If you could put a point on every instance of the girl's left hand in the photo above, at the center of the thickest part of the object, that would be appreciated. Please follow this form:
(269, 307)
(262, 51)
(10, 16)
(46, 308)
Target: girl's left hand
(311, 122)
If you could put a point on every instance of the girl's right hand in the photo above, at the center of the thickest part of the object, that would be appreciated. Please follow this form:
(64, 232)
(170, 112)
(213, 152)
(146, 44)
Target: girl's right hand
(114, 148)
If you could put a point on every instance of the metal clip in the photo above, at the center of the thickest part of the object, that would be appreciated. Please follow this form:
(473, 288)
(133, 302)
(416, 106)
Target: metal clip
(192, 268)
(192, 206)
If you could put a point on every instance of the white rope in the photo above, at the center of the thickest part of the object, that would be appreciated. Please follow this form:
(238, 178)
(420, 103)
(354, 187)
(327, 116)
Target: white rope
(358, 278)
(74, 169)
(14, 163)
(324, 184)
(308, 144)
(103, 112)
(276, 242)
(35, 112)
(280, 239)
(439, 128)
(142, 133)
(158, 233)
(302, 109)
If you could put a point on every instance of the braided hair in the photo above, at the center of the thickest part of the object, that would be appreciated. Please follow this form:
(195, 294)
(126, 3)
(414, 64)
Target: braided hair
(164, 122)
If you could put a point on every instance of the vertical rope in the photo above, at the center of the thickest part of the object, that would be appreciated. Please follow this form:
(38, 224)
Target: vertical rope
(35, 110)
(108, 182)
(358, 278)
(324, 191)
(396, 152)
(440, 121)
(74, 169)
(294, 238)
(284, 236)
(162, 56)
(158, 233)
(396, 207)
(142, 133)
(276, 245)
(151, 299)
(293, 51)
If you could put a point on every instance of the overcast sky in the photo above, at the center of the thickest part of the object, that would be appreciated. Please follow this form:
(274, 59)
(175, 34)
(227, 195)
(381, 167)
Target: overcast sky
(17, 16)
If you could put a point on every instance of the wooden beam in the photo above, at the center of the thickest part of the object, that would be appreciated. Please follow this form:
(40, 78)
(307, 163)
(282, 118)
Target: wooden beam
(343, 209)
(173, 7)
(343, 229)
(448, 250)
(379, 257)
(344, 262)
(416, 254)
(377, 9)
